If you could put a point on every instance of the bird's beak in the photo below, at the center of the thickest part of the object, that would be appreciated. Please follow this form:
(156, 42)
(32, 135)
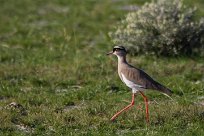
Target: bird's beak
(109, 53)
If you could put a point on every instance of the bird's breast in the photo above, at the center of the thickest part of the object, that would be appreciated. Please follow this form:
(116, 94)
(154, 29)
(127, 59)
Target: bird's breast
(129, 83)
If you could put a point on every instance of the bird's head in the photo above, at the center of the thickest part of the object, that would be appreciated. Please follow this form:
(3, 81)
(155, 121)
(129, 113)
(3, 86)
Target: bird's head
(119, 51)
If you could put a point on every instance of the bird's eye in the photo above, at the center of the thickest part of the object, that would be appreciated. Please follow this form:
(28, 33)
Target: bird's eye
(116, 49)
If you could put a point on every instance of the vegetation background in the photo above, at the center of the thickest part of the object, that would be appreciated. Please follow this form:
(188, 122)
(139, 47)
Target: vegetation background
(55, 78)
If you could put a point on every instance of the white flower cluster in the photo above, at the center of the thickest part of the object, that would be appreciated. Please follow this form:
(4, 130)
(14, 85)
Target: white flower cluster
(163, 27)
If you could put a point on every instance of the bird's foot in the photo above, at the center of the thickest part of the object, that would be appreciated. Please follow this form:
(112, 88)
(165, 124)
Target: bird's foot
(113, 120)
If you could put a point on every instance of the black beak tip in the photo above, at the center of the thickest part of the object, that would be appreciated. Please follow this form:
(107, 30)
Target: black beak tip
(109, 53)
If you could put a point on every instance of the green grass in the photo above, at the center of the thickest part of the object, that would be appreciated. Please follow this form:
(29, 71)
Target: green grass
(53, 63)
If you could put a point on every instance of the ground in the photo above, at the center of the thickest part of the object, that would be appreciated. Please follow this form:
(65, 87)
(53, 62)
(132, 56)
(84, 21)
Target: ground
(55, 78)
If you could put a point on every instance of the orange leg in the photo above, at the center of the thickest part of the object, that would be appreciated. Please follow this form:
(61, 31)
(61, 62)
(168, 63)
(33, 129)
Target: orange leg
(146, 106)
(126, 108)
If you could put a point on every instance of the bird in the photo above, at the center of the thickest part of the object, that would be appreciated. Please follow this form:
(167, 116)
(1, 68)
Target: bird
(136, 79)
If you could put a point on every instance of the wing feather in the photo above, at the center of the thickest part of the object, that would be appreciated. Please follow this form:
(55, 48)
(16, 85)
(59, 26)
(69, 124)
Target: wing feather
(141, 78)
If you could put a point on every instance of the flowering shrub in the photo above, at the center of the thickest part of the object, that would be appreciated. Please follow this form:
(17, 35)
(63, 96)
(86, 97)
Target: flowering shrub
(164, 27)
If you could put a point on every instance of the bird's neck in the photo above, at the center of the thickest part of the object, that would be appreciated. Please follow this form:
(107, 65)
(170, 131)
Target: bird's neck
(121, 63)
(121, 59)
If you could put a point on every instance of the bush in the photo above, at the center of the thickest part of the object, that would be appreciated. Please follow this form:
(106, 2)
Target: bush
(164, 27)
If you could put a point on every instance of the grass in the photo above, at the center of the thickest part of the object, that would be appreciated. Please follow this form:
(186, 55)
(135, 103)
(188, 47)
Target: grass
(53, 63)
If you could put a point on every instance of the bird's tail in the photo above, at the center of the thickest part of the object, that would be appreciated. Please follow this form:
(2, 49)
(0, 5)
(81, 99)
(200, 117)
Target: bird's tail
(163, 89)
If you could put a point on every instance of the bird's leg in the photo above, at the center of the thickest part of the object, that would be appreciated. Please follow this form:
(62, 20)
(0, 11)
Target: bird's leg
(139, 107)
(126, 108)
(146, 106)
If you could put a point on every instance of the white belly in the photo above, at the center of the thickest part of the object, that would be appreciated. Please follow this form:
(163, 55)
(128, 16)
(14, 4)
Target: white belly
(135, 87)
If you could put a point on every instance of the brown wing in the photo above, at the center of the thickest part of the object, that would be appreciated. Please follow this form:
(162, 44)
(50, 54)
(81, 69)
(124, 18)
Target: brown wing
(139, 77)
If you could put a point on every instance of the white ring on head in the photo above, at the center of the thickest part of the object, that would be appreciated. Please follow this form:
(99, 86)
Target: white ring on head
(120, 47)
